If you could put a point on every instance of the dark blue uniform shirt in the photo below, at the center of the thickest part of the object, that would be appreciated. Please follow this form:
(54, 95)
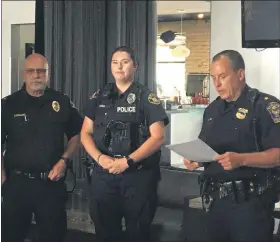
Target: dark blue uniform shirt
(228, 127)
(136, 105)
(33, 129)
(152, 112)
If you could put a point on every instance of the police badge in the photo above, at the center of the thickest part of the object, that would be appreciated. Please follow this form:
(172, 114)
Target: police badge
(55, 106)
(131, 98)
(241, 113)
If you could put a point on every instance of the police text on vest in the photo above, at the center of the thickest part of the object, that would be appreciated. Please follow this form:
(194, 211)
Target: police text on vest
(126, 109)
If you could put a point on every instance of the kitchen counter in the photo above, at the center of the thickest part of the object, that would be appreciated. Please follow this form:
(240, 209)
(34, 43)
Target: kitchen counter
(186, 108)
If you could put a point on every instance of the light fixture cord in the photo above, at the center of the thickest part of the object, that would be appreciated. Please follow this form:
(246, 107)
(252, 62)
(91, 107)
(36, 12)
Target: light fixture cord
(181, 24)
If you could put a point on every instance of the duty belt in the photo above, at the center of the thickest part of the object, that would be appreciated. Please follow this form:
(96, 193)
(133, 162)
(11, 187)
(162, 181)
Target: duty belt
(239, 190)
(39, 175)
(224, 189)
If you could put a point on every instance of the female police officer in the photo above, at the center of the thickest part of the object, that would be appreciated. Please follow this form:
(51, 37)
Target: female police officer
(122, 131)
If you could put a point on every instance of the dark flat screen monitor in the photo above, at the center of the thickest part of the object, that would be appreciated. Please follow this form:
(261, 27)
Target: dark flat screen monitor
(260, 24)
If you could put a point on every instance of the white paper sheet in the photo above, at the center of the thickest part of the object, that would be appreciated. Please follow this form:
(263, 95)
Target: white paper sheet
(195, 150)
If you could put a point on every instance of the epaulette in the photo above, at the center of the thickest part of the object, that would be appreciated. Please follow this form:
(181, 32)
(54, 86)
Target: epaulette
(95, 95)
(252, 95)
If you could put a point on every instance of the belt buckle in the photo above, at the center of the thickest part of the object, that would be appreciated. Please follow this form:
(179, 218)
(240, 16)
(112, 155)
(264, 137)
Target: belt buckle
(118, 156)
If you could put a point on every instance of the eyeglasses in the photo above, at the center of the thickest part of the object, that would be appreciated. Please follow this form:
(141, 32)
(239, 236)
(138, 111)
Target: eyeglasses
(40, 72)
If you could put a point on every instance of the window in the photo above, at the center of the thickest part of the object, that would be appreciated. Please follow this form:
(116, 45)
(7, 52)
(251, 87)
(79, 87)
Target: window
(183, 83)
(171, 80)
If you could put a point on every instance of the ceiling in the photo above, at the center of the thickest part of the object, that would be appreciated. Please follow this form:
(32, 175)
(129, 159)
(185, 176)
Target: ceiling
(171, 7)
(185, 16)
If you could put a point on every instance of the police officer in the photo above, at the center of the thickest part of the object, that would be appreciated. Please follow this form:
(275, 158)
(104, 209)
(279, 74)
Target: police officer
(122, 132)
(243, 126)
(34, 121)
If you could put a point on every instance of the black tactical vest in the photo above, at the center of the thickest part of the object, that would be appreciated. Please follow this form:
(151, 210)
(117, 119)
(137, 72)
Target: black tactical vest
(120, 126)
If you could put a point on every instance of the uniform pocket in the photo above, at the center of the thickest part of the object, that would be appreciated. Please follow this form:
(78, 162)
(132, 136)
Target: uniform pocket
(59, 117)
(19, 124)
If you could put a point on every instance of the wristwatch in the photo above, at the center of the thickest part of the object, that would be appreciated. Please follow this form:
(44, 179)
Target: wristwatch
(130, 161)
(66, 160)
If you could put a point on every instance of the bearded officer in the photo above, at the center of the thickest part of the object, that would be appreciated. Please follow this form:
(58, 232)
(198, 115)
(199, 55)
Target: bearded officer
(34, 121)
(122, 132)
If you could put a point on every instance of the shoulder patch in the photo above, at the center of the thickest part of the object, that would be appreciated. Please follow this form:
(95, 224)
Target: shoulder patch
(95, 95)
(274, 109)
(153, 99)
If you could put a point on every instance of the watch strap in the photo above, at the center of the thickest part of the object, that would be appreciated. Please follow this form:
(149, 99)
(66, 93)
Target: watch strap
(66, 160)
(130, 161)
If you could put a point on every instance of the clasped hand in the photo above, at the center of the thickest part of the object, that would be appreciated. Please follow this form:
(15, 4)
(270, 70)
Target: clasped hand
(114, 165)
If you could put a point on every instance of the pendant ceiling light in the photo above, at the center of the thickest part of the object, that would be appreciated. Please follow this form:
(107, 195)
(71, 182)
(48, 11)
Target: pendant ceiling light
(167, 36)
(181, 50)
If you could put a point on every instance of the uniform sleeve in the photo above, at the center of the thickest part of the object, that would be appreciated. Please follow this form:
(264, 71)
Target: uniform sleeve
(269, 116)
(202, 131)
(153, 110)
(90, 109)
(4, 121)
(75, 122)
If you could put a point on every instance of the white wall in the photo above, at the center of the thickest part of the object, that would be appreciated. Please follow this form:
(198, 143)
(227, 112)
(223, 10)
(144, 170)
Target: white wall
(262, 68)
(13, 12)
(26, 35)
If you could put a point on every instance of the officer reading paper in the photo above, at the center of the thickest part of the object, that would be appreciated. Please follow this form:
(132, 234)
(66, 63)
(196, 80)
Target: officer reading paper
(239, 188)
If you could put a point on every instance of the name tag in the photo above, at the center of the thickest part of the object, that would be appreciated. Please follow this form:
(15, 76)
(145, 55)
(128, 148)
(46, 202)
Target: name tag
(17, 115)
(126, 109)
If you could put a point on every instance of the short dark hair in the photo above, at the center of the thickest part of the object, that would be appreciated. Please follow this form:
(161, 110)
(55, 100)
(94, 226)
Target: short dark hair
(129, 51)
(235, 58)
